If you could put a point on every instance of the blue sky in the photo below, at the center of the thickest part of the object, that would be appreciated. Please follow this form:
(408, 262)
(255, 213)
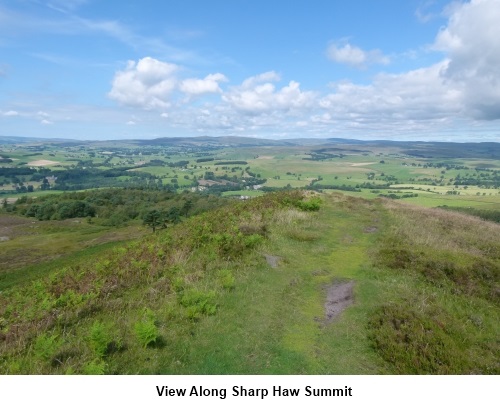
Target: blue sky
(385, 69)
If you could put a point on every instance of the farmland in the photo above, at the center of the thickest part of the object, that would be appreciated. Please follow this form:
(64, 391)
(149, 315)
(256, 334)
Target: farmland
(423, 174)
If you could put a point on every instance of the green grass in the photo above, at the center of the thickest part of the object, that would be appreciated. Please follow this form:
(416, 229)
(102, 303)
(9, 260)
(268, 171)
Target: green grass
(226, 287)
(201, 298)
(441, 312)
(35, 247)
(250, 193)
(33, 194)
(21, 276)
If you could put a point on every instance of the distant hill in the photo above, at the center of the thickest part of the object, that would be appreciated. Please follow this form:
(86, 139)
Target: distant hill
(12, 140)
(233, 141)
(488, 150)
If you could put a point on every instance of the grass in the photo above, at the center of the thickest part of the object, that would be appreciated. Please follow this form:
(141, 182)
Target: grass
(20, 276)
(250, 193)
(38, 193)
(200, 297)
(441, 315)
(36, 248)
(432, 200)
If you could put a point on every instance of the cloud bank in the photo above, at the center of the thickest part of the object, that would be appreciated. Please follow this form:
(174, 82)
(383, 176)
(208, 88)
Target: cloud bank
(471, 40)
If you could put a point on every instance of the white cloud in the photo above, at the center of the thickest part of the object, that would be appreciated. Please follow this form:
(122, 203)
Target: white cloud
(421, 94)
(471, 40)
(153, 84)
(66, 4)
(447, 96)
(255, 107)
(10, 113)
(210, 84)
(46, 122)
(147, 83)
(425, 12)
(257, 95)
(271, 76)
(348, 54)
(465, 85)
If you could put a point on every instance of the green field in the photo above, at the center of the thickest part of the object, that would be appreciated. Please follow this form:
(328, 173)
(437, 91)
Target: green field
(28, 243)
(444, 179)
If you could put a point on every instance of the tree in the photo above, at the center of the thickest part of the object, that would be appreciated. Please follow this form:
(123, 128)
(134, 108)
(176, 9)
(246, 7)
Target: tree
(186, 207)
(45, 211)
(153, 219)
(173, 215)
(45, 185)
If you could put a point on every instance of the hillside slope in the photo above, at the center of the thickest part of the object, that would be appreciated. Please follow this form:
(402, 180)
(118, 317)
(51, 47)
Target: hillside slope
(257, 287)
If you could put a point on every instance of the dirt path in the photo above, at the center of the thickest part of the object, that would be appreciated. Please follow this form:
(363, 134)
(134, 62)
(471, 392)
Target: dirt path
(273, 261)
(43, 162)
(339, 297)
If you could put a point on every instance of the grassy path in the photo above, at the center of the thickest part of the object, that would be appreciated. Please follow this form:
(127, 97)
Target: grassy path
(347, 230)
(273, 322)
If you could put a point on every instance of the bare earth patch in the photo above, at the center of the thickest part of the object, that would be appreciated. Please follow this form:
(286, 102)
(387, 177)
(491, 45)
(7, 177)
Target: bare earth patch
(117, 236)
(273, 261)
(339, 297)
(43, 162)
(363, 164)
(11, 226)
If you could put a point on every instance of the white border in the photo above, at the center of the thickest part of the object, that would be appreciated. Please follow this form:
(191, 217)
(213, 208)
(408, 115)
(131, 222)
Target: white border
(369, 390)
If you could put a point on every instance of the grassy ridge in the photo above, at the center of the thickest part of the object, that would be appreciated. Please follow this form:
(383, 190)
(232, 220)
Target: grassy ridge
(443, 272)
(18, 277)
(201, 298)
(184, 272)
(30, 242)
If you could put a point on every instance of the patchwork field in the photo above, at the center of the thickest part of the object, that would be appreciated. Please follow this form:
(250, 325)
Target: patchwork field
(436, 176)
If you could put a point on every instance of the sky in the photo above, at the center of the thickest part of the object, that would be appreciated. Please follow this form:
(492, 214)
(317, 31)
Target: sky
(386, 69)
